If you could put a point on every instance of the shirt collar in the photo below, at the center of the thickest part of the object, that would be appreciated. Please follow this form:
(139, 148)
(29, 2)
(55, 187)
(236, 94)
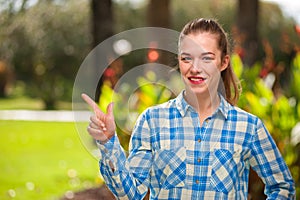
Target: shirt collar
(182, 106)
(224, 106)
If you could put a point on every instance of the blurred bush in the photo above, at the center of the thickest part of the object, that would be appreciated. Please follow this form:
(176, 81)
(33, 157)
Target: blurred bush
(45, 45)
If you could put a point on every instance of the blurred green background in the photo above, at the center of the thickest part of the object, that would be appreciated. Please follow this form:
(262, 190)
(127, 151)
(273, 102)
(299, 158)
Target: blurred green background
(44, 42)
(43, 160)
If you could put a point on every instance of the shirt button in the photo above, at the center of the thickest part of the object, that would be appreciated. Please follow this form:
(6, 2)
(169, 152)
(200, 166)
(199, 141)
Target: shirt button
(199, 160)
(197, 181)
(199, 140)
(207, 120)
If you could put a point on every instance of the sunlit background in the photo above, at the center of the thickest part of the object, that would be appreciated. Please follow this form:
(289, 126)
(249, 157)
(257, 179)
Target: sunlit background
(44, 42)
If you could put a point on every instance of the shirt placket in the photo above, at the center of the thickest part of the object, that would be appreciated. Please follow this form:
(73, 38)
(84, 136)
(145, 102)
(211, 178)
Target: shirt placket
(198, 152)
(200, 165)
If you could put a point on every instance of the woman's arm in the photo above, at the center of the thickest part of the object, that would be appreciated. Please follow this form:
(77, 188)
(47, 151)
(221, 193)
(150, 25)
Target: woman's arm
(267, 161)
(126, 178)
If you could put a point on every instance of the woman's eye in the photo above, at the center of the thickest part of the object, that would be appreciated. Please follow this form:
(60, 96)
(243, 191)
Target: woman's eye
(186, 59)
(207, 58)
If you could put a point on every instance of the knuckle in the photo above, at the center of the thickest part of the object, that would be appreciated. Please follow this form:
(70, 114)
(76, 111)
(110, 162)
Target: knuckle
(91, 118)
(88, 128)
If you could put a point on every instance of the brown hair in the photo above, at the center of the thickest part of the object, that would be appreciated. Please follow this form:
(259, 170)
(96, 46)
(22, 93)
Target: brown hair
(231, 83)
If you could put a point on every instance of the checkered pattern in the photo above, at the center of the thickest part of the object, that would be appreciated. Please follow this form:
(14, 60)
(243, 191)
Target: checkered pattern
(176, 158)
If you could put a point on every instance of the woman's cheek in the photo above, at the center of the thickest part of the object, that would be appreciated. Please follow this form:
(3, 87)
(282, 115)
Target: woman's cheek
(183, 67)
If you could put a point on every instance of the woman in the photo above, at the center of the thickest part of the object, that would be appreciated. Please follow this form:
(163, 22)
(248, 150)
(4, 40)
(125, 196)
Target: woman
(198, 145)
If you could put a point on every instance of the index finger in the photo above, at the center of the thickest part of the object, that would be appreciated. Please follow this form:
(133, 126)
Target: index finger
(92, 103)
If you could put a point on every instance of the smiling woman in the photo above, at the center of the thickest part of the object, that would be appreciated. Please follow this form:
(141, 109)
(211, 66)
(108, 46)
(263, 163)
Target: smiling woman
(198, 145)
(201, 67)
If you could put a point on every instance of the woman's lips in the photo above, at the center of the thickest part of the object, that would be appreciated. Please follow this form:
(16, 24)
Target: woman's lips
(196, 80)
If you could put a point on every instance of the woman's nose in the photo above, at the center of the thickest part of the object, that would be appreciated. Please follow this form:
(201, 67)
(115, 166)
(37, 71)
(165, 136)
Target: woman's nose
(196, 65)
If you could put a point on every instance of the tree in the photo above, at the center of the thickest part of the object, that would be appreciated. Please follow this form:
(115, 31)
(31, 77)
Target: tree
(5, 78)
(46, 52)
(102, 29)
(247, 23)
(247, 35)
(159, 15)
(11, 8)
(101, 20)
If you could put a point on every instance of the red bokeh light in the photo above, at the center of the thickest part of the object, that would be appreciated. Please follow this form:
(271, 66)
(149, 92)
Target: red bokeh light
(153, 55)
(297, 29)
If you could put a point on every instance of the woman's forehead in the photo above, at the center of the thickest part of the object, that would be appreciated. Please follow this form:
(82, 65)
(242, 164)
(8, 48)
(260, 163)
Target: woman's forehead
(198, 36)
(198, 43)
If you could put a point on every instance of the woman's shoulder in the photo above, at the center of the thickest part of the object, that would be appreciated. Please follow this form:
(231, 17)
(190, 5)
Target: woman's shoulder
(235, 112)
(243, 115)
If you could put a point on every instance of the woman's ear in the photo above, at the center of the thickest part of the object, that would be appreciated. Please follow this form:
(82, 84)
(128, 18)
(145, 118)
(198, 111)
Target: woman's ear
(225, 62)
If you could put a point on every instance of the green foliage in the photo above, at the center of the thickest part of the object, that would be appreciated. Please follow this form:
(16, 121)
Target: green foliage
(150, 94)
(43, 160)
(47, 51)
(106, 96)
(128, 17)
(237, 65)
(296, 76)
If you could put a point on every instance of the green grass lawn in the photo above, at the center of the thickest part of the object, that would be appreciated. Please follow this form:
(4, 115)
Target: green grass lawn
(43, 160)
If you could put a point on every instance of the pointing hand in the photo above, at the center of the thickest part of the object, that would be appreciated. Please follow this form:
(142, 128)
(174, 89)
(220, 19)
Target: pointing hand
(102, 126)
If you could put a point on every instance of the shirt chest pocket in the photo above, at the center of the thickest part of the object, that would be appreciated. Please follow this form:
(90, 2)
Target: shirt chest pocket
(170, 167)
(226, 169)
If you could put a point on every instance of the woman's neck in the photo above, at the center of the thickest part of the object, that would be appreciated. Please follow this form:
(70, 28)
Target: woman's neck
(204, 104)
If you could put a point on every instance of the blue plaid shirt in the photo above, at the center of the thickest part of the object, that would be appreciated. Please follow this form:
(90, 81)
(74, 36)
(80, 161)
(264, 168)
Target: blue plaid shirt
(176, 158)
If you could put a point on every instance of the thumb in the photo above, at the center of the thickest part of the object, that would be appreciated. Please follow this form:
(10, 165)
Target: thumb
(109, 109)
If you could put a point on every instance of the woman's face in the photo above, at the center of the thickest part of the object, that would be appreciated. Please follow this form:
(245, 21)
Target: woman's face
(200, 62)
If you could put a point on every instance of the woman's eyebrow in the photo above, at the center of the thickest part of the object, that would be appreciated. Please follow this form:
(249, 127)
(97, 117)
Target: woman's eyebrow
(208, 53)
(202, 54)
(185, 54)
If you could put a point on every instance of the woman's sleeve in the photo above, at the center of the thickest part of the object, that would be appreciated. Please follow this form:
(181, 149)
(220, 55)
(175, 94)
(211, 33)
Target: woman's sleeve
(128, 178)
(267, 161)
